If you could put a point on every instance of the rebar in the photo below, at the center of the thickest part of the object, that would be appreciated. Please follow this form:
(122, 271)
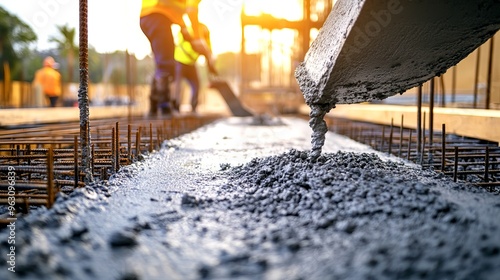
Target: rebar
(443, 147)
(471, 160)
(54, 165)
(83, 98)
(489, 75)
(401, 135)
(75, 154)
(476, 77)
(117, 146)
(50, 178)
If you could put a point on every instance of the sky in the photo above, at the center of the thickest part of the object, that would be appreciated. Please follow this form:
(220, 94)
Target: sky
(114, 24)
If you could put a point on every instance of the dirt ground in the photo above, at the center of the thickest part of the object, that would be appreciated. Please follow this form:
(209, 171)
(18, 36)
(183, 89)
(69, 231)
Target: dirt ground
(243, 199)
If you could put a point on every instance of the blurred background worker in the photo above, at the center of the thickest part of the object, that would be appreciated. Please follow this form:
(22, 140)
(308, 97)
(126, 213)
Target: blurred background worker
(48, 80)
(186, 58)
(157, 17)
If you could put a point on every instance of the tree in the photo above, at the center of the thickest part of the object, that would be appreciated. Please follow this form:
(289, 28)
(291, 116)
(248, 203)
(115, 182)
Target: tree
(95, 65)
(15, 35)
(66, 45)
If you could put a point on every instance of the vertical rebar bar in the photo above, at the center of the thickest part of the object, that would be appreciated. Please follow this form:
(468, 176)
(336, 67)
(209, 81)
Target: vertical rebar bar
(401, 135)
(391, 135)
(28, 152)
(150, 137)
(455, 168)
(443, 148)
(92, 148)
(431, 112)
(443, 91)
(158, 139)
(103, 173)
(129, 143)
(50, 178)
(138, 142)
(453, 84)
(419, 120)
(117, 147)
(83, 99)
(423, 139)
(490, 74)
(18, 153)
(476, 78)
(75, 158)
(487, 165)
(409, 146)
(113, 149)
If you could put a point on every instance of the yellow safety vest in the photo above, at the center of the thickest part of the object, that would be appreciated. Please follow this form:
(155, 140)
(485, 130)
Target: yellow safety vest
(184, 52)
(173, 9)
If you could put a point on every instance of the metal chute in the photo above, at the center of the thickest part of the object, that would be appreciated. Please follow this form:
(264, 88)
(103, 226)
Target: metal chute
(373, 49)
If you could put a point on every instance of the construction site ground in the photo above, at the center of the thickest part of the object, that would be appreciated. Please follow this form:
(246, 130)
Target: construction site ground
(241, 199)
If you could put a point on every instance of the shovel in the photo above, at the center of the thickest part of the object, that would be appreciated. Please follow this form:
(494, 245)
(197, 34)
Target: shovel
(232, 101)
(372, 49)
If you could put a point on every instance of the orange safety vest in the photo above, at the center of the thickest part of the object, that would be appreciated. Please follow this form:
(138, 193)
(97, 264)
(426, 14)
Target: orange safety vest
(173, 9)
(50, 81)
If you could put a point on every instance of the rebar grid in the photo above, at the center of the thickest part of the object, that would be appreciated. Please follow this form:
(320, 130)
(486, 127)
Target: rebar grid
(47, 160)
(472, 160)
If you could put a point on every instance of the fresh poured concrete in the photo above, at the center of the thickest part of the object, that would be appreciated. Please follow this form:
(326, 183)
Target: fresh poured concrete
(244, 199)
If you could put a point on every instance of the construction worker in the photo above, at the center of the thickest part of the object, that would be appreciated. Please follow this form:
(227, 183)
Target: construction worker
(186, 58)
(156, 19)
(48, 79)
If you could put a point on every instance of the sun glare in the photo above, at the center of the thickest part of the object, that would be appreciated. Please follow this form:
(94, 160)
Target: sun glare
(285, 9)
(276, 47)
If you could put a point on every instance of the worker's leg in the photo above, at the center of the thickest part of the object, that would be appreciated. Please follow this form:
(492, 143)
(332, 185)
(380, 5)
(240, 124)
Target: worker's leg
(52, 100)
(153, 100)
(156, 27)
(194, 82)
(177, 88)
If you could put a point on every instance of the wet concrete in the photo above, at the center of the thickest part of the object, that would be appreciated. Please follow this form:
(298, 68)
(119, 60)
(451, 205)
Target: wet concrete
(319, 128)
(371, 50)
(240, 201)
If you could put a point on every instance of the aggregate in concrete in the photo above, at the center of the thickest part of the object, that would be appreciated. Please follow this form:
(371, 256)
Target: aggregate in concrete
(242, 200)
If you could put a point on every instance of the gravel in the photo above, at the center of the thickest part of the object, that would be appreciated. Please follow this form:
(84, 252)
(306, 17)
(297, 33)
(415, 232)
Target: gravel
(240, 201)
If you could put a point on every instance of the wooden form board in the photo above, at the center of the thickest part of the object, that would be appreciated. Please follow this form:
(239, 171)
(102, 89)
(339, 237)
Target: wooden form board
(12, 117)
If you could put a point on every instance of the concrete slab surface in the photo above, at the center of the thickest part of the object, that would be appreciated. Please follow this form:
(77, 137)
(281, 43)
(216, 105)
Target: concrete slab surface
(242, 199)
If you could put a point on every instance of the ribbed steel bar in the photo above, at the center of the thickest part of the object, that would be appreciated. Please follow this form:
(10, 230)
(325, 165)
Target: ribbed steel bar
(83, 98)
(467, 159)
(111, 151)
(489, 78)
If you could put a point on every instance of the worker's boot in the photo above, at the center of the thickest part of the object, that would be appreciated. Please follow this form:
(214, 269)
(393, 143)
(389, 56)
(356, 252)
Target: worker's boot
(176, 105)
(153, 100)
(162, 86)
(194, 104)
